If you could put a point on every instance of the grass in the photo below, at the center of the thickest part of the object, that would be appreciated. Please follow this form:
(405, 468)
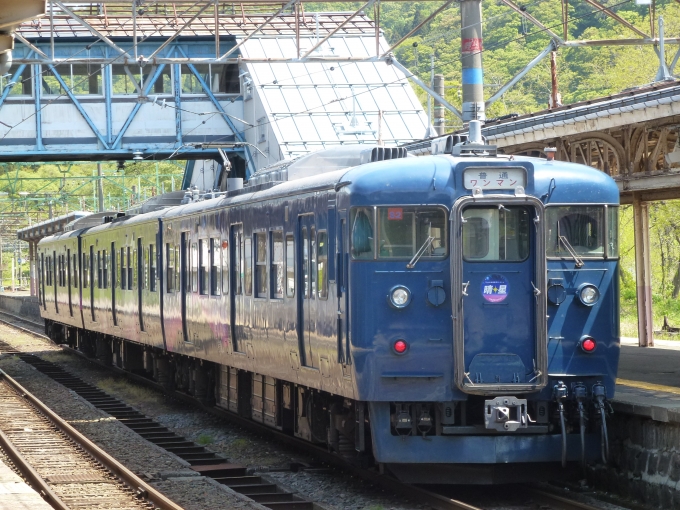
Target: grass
(129, 391)
(205, 439)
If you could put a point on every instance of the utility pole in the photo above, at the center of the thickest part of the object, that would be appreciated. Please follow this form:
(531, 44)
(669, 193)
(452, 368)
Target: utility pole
(430, 134)
(471, 49)
(100, 187)
(555, 99)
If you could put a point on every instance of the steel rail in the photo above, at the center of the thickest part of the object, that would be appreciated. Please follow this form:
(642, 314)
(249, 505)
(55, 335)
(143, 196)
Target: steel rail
(32, 476)
(138, 485)
(419, 494)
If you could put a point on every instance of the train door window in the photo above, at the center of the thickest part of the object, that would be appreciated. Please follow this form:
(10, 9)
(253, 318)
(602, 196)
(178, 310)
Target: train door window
(362, 233)
(225, 266)
(171, 268)
(74, 273)
(238, 264)
(114, 265)
(85, 271)
(215, 267)
(123, 270)
(143, 265)
(277, 265)
(203, 271)
(152, 269)
(99, 269)
(261, 264)
(322, 264)
(132, 269)
(290, 265)
(129, 268)
(305, 261)
(312, 250)
(91, 269)
(193, 258)
(493, 234)
(248, 260)
(105, 269)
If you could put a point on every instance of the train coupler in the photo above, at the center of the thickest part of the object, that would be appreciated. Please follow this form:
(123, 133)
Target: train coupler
(506, 414)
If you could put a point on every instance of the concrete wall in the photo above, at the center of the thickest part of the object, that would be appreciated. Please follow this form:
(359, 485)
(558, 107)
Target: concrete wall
(23, 306)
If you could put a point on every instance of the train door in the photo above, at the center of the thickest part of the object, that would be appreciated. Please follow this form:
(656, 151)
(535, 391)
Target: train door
(184, 280)
(341, 259)
(69, 272)
(140, 282)
(499, 258)
(307, 285)
(237, 300)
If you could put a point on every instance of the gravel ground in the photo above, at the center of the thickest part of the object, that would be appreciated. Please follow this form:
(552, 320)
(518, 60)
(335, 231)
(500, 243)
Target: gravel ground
(332, 489)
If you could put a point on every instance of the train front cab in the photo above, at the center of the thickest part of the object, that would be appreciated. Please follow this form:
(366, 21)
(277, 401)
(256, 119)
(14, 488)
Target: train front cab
(520, 356)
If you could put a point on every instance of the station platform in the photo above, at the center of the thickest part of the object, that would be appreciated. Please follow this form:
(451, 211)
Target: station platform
(648, 383)
(16, 495)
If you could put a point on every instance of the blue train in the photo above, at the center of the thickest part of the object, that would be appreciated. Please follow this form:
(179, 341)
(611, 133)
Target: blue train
(452, 318)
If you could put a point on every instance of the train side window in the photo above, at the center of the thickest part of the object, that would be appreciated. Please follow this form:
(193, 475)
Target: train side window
(105, 269)
(144, 254)
(277, 265)
(225, 266)
(290, 265)
(362, 233)
(123, 270)
(215, 267)
(582, 227)
(85, 271)
(203, 272)
(152, 269)
(248, 259)
(171, 268)
(612, 231)
(322, 264)
(261, 264)
(193, 259)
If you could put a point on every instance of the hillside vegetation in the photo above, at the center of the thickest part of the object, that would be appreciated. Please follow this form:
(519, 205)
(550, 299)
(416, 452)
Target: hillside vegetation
(510, 43)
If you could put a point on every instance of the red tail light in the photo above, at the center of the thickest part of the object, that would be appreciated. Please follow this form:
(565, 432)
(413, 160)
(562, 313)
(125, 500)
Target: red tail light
(400, 347)
(588, 344)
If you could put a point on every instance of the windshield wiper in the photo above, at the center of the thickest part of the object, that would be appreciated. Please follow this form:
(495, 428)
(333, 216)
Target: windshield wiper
(420, 252)
(570, 249)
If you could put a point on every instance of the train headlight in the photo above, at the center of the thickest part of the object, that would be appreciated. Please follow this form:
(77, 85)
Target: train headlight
(399, 296)
(588, 294)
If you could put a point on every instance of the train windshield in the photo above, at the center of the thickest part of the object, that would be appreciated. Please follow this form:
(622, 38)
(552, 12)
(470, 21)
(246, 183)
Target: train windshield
(401, 231)
(582, 228)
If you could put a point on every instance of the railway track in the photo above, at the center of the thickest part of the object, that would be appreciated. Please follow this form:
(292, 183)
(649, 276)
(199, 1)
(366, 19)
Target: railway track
(63, 465)
(253, 486)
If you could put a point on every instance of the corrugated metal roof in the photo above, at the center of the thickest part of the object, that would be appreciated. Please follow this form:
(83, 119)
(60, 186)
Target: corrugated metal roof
(310, 106)
(165, 26)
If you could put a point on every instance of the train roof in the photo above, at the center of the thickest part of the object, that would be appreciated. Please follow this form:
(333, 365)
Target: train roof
(438, 179)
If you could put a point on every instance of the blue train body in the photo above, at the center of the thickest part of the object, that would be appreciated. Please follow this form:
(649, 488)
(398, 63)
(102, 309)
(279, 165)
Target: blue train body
(443, 316)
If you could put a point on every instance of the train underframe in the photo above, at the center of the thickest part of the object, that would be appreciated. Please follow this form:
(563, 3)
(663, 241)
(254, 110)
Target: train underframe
(344, 425)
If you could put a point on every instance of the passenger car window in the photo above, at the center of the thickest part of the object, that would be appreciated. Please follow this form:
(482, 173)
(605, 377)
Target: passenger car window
(290, 265)
(581, 226)
(362, 233)
(322, 264)
(277, 264)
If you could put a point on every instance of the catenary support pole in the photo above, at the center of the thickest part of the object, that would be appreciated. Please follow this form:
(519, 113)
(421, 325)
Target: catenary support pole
(439, 113)
(471, 50)
(100, 187)
(643, 272)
